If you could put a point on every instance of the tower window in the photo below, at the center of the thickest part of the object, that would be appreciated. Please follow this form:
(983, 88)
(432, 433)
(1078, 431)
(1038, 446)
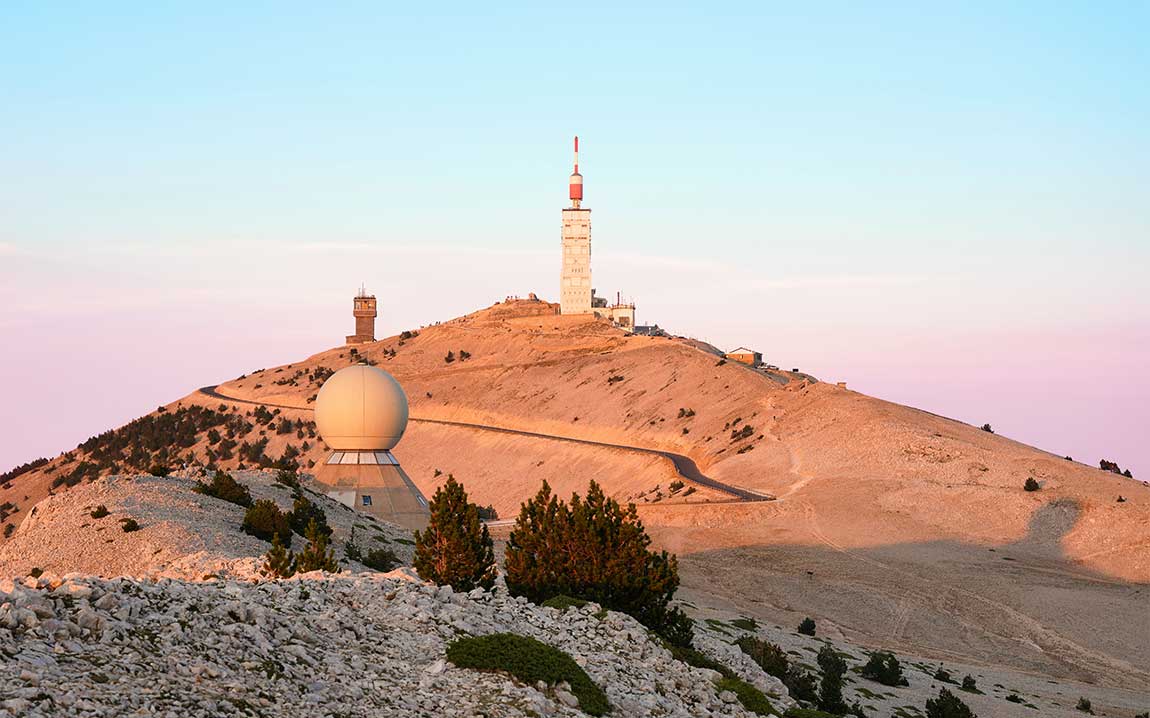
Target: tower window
(366, 500)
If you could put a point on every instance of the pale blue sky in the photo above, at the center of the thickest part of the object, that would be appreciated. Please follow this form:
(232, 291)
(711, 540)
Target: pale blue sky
(896, 194)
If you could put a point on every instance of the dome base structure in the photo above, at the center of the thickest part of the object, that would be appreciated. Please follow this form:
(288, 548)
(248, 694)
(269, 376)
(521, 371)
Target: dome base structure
(372, 482)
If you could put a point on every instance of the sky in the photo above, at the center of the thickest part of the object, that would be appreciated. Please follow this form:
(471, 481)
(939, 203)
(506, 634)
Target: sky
(946, 206)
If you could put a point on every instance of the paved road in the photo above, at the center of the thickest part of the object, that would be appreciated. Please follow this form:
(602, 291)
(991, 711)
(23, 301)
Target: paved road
(684, 465)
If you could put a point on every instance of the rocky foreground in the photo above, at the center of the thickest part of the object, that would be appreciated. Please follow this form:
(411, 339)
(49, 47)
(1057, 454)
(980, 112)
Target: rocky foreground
(364, 644)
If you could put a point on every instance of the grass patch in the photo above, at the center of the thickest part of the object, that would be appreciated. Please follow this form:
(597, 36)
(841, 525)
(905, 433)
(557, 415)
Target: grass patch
(530, 661)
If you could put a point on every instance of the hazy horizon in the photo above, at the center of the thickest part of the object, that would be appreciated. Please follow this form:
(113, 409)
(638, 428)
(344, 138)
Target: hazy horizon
(942, 208)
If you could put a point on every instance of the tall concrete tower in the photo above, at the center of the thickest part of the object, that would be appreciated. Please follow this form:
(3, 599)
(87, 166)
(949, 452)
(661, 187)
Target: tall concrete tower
(575, 278)
(365, 313)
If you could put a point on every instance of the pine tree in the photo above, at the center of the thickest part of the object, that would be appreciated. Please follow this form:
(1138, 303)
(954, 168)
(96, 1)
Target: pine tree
(278, 561)
(947, 705)
(831, 685)
(455, 549)
(316, 556)
(594, 550)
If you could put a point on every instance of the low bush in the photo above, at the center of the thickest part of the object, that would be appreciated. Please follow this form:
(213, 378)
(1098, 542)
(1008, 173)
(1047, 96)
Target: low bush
(99, 512)
(1085, 706)
(1031, 485)
(1014, 698)
(807, 626)
(770, 657)
(530, 661)
(751, 698)
(943, 675)
(264, 520)
(9, 529)
(380, 559)
(129, 525)
(563, 602)
(159, 470)
(303, 512)
(987, 428)
(969, 684)
(947, 705)
(226, 488)
(747, 624)
(289, 478)
(884, 668)
(807, 713)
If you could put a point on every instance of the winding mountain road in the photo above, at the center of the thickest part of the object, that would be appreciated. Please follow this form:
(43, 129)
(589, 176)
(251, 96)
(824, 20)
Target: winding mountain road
(687, 469)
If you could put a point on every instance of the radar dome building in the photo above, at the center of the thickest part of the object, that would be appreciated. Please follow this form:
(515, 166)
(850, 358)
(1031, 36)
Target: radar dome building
(361, 413)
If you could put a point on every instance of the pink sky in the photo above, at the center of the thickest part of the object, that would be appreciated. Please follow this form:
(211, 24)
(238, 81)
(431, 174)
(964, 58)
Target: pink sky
(92, 342)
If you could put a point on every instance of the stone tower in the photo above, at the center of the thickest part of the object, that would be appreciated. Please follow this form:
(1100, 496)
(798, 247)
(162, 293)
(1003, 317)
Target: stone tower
(365, 313)
(575, 278)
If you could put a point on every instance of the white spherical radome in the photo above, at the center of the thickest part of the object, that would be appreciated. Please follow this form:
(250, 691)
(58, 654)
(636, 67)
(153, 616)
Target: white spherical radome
(361, 408)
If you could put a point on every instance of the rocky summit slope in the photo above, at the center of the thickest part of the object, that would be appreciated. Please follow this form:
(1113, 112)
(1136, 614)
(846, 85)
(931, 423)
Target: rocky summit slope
(182, 534)
(336, 645)
(894, 527)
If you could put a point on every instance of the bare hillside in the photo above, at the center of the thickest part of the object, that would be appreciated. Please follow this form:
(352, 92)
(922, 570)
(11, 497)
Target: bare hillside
(894, 526)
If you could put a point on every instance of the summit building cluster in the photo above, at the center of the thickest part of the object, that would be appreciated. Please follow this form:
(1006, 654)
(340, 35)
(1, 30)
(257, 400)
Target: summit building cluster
(576, 292)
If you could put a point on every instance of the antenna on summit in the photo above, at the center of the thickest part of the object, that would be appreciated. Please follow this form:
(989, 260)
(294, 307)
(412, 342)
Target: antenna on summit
(576, 183)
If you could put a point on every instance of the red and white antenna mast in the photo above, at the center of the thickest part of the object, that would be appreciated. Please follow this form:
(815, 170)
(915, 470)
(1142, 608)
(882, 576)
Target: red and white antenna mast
(576, 183)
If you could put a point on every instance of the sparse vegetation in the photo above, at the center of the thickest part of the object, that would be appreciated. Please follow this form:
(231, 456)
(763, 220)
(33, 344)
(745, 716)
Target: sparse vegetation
(970, 685)
(884, 668)
(9, 529)
(750, 697)
(1084, 706)
(1114, 468)
(264, 520)
(594, 550)
(159, 470)
(22, 469)
(807, 626)
(530, 661)
(615, 379)
(676, 485)
(1031, 485)
(449, 358)
(947, 705)
(943, 675)
(99, 512)
(987, 428)
(455, 548)
(226, 488)
(685, 413)
(743, 433)
(129, 525)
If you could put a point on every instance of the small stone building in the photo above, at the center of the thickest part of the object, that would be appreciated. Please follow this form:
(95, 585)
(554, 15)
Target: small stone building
(750, 357)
